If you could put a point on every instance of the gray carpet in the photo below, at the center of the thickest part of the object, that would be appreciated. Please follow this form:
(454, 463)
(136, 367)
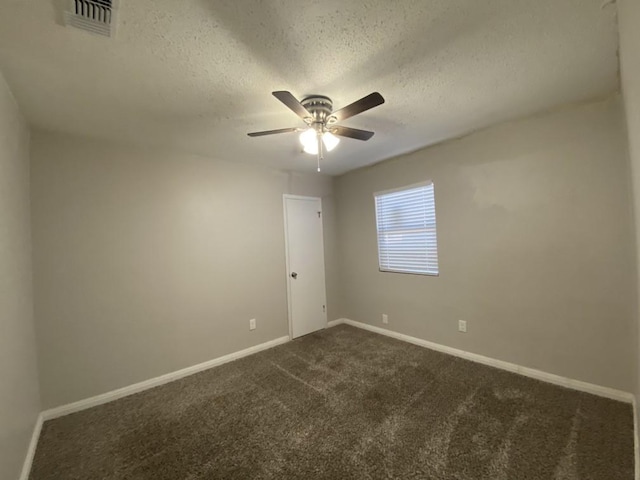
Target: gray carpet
(344, 404)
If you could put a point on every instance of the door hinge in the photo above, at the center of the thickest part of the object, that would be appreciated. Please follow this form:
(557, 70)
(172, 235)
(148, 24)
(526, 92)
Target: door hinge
(319, 214)
(324, 308)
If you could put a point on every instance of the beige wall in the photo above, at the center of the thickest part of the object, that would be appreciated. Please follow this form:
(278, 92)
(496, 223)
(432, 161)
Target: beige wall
(629, 25)
(535, 244)
(148, 262)
(19, 396)
(535, 235)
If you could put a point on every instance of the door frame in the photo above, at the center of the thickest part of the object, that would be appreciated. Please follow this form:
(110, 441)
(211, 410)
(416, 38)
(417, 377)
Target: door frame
(285, 197)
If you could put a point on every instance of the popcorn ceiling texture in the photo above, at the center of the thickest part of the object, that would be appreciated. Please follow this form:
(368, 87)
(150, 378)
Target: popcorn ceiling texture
(196, 75)
(345, 404)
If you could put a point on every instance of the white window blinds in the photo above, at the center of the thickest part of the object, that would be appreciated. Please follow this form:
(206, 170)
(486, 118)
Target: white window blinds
(406, 221)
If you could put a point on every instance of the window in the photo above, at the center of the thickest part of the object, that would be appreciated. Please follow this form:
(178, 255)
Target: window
(406, 221)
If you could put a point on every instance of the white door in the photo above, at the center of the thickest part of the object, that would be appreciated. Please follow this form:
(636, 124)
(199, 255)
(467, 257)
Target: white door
(305, 264)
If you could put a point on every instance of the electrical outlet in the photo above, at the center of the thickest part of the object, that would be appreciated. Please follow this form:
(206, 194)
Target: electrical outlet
(462, 326)
(252, 324)
(385, 318)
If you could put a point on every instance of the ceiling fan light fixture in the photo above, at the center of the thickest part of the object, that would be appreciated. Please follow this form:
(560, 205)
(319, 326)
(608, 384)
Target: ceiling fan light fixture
(311, 149)
(321, 134)
(330, 141)
(309, 140)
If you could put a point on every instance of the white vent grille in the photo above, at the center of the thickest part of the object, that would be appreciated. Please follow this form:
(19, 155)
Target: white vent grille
(95, 16)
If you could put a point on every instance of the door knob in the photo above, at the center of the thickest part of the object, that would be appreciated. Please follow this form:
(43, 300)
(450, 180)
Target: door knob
(294, 275)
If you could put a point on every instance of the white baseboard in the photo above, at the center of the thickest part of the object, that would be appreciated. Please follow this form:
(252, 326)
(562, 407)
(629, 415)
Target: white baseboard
(157, 381)
(161, 380)
(492, 362)
(31, 452)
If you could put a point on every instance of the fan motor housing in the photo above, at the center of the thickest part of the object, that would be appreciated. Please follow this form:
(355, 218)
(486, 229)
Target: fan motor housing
(319, 106)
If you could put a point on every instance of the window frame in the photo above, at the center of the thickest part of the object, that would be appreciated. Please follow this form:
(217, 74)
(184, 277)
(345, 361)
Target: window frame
(435, 227)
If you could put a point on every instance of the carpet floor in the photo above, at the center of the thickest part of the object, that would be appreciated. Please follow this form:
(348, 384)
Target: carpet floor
(344, 403)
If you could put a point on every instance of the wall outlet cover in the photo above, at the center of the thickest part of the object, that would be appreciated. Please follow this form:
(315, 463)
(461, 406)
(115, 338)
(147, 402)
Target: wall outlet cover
(462, 326)
(252, 324)
(385, 318)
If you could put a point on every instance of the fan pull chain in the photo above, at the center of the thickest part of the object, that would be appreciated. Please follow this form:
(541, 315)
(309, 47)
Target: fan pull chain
(320, 152)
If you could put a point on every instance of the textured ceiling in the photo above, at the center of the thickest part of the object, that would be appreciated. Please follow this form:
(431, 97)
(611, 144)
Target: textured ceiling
(197, 75)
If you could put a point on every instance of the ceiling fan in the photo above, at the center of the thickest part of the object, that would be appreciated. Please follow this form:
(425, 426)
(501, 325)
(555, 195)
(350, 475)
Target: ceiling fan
(321, 130)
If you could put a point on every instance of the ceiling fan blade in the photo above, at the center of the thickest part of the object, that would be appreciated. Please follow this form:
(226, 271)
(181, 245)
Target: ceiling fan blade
(292, 102)
(352, 133)
(273, 132)
(372, 100)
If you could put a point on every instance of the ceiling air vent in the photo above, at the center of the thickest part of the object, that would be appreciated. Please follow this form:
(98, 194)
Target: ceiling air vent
(95, 16)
